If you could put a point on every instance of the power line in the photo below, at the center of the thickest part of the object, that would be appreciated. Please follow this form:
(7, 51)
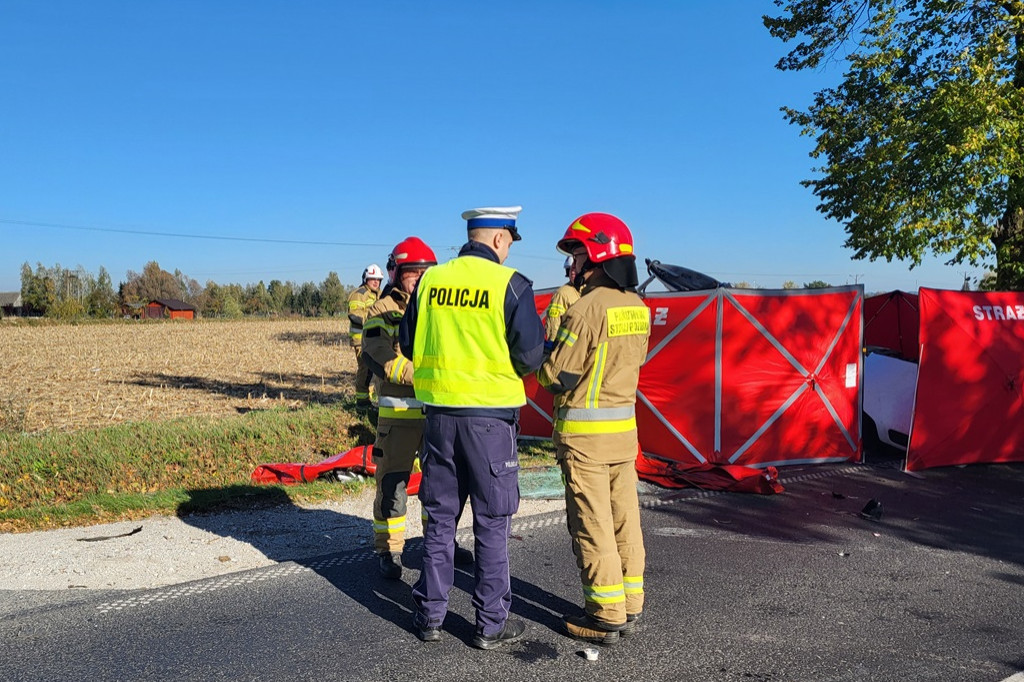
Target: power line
(188, 236)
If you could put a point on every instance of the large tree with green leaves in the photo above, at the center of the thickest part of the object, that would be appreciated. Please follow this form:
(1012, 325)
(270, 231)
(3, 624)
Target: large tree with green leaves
(922, 143)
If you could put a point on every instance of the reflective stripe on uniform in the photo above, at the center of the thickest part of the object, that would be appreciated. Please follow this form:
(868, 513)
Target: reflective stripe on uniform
(596, 419)
(595, 414)
(633, 584)
(604, 594)
(400, 412)
(597, 374)
(397, 367)
(389, 525)
(394, 401)
(620, 426)
(567, 337)
(377, 322)
(556, 310)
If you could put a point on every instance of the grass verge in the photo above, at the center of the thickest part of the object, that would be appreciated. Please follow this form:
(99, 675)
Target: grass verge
(180, 466)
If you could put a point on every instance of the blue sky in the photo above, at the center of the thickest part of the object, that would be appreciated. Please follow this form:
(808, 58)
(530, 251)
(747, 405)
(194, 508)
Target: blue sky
(350, 125)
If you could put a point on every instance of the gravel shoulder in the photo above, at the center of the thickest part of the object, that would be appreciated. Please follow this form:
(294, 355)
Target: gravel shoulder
(167, 550)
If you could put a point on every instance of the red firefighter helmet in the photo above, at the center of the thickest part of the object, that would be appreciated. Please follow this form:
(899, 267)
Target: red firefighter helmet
(603, 236)
(411, 251)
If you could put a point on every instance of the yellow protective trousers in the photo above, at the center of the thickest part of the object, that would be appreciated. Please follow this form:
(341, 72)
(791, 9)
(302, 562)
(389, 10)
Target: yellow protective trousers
(603, 516)
(394, 453)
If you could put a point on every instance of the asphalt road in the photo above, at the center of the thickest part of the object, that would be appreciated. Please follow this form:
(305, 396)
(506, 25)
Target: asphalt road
(739, 587)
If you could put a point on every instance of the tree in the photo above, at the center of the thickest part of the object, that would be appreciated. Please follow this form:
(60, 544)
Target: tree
(789, 284)
(256, 300)
(279, 295)
(153, 283)
(306, 300)
(101, 301)
(922, 142)
(36, 297)
(817, 284)
(333, 297)
(191, 289)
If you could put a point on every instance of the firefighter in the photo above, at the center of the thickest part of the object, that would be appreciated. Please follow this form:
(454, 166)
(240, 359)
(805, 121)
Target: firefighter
(593, 371)
(400, 415)
(472, 331)
(358, 301)
(565, 296)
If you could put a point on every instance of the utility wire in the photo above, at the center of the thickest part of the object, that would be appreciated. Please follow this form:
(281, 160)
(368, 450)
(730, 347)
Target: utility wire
(188, 236)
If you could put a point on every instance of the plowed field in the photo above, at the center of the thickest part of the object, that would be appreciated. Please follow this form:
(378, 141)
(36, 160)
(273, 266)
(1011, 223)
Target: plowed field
(68, 377)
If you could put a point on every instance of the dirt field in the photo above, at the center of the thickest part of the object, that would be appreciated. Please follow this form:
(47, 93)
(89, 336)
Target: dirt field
(69, 377)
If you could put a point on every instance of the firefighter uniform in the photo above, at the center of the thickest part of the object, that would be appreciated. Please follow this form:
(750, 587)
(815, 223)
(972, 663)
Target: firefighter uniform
(472, 332)
(359, 301)
(593, 371)
(565, 296)
(399, 420)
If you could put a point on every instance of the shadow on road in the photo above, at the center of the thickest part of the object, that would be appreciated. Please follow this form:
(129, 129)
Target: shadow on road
(977, 509)
(346, 559)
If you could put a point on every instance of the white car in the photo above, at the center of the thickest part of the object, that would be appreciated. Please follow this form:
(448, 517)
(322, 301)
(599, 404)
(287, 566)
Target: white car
(889, 385)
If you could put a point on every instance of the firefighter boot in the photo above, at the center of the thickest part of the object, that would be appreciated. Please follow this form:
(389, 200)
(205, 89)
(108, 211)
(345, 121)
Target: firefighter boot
(587, 629)
(630, 627)
(390, 565)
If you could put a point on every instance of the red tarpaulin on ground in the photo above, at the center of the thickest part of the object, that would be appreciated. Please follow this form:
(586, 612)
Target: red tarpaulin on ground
(744, 377)
(357, 460)
(891, 321)
(969, 405)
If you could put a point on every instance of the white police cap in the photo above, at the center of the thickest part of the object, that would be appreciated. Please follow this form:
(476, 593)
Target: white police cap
(501, 217)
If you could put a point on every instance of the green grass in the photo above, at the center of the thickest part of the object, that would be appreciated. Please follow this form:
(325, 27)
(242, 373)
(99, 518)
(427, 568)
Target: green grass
(131, 469)
(179, 466)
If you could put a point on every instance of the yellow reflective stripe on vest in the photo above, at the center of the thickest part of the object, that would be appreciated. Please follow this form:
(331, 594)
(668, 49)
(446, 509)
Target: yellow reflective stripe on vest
(604, 594)
(597, 375)
(633, 584)
(464, 364)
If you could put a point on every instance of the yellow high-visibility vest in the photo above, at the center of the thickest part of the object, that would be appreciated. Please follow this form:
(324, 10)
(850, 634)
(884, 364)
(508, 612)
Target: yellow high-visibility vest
(460, 354)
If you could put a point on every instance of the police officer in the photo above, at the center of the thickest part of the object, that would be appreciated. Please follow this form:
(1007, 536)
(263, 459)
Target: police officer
(565, 296)
(593, 371)
(400, 416)
(358, 301)
(472, 331)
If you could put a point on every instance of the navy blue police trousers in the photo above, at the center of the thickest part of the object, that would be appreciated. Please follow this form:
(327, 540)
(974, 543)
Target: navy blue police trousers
(474, 457)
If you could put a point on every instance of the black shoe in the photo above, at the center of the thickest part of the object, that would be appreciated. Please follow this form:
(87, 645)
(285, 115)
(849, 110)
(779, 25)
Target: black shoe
(463, 556)
(510, 632)
(390, 565)
(364, 403)
(588, 629)
(630, 627)
(428, 634)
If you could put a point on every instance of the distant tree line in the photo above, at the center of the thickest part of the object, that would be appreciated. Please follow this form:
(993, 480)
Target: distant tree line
(64, 293)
